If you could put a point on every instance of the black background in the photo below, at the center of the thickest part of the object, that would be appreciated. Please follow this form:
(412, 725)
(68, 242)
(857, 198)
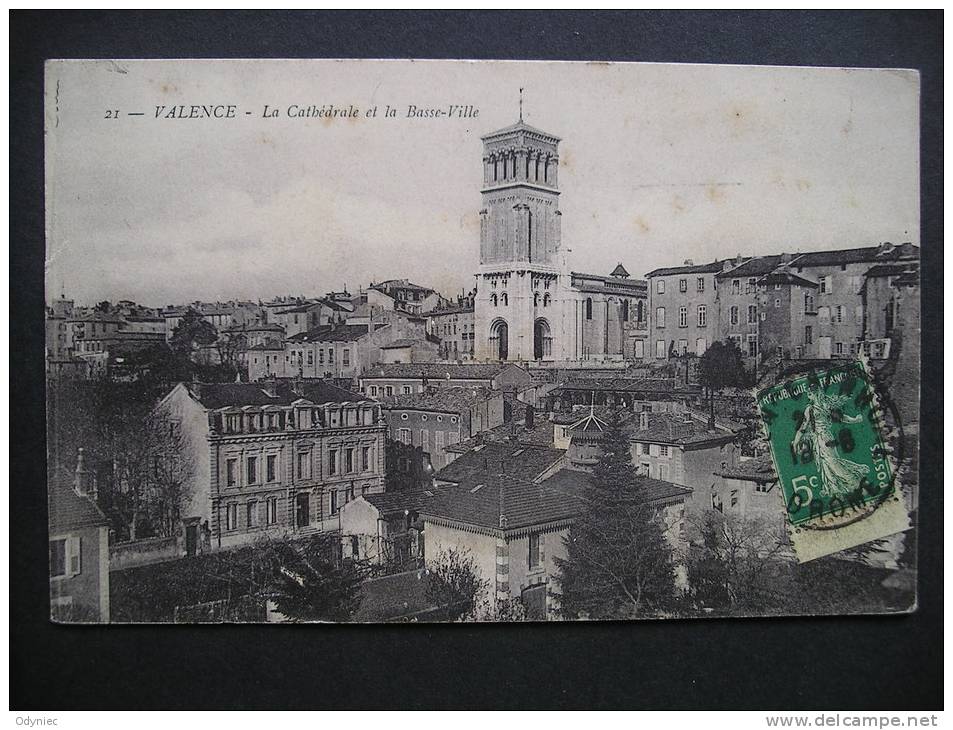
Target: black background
(888, 663)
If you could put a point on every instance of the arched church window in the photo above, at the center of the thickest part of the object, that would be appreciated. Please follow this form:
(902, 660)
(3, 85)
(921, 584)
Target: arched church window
(546, 299)
(589, 308)
(527, 167)
(496, 169)
(506, 299)
(535, 299)
(546, 170)
(640, 311)
(493, 299)
(625, 310)
(537, 169)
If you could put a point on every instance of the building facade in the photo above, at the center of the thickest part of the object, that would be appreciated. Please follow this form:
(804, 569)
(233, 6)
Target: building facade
(280, 458)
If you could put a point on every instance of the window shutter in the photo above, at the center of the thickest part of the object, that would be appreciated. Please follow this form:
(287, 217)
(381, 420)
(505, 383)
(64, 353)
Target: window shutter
(74, 556)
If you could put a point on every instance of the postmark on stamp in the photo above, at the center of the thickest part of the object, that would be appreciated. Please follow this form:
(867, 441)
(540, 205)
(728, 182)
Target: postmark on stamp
(835, 470)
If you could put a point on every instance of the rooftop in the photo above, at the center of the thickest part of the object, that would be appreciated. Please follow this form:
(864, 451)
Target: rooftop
(883, 252)
(786, 277)
(398, 344)
(333, 333)
(713, 268)
(394, 502)
(760, 469)
(487, 459)
(757, 266)
(686, 429)
(69, 510)
(223, 395)
(443, 400)
(520, 126)
(435, 371)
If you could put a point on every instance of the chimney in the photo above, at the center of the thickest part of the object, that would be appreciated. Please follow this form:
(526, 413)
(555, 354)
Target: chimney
(83, 480)
(530, 416)
(689, 262)
(643, 420)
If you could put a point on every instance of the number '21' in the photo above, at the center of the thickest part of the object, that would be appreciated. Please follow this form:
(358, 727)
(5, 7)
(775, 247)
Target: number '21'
(112, 114)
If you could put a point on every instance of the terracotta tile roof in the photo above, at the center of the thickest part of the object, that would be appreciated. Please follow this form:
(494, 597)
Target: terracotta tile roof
(529, 462)
(223, 395)
(757, 266)
(68, 510)
(434, 371)
(760, 469)
(688, 428)
(870, 254)
(713, 268)
(444, 400)
(329, 333)
(655, 490)
(388, 503)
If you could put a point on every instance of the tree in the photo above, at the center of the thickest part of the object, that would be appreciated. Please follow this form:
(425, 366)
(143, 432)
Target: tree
(722, 366)
(736, 566)
(454, 584)
(192, 332)
(618, 563)
(308, 580)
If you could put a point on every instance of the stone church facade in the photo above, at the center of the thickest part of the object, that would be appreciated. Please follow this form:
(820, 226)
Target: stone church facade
(529, 306)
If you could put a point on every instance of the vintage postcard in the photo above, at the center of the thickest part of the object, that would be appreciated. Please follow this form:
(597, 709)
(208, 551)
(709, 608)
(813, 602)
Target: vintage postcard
(412, 341)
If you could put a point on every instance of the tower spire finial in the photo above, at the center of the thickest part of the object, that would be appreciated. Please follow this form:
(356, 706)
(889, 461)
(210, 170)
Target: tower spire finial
(521, 103)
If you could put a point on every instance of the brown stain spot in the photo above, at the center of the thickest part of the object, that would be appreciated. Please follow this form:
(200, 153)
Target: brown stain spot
(327, 121)
(566, 160)
(803, 185)
(678, 203)
(266, 140)
(641, 224)
(168, 88)
(715, 194)
(470, 221)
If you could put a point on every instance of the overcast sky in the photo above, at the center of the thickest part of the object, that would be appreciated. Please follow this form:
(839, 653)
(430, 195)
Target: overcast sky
(659, 163)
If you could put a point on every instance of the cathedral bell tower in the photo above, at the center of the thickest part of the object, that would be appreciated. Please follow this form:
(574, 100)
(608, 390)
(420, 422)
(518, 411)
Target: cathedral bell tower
(520, 256)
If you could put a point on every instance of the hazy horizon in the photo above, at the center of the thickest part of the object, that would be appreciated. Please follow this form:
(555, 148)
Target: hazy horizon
(658, 164)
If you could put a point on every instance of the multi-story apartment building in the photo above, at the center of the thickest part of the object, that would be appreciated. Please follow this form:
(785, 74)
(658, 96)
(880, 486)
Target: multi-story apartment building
(402, 295)
(453, 325)
(275, 458)
(343, 350)
(682, 310)
(427, 423)
(787, 316)
(737, 296)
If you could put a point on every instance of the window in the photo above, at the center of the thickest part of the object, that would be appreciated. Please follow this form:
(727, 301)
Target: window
(334, 501)
(425, 439)
(625, 310)
(660, 286)
(733, 315)
(660, 349)
(838, 348)
(304, 465)
(736, 286)
(751, 286)
(231, 516)
(534, 550)
(365, 458)
(700, 283)
(639, 349)
(252, 470)
(373, 390)
(588, 307)
(683, 285)
(504, 297)
(493, 299)
(251, 514)
(389, 390)
(406, 390)
(825, 284)
(752, 345)
(346, 358)
(271, 467)
(777, 303)
(66, 557)
(839, 314)
(808, 335)
(702, 315)
(310, 357)
(231, 469)
(660, 317)
(330, 355)
(701, 344)
(682, 347)
(809, 303)
(663, 472)
(332, 461)
(683, 316)
(752, 313)
(271, 511)
(404, 436)
(663, 450)
(348, 461)
(303, 509)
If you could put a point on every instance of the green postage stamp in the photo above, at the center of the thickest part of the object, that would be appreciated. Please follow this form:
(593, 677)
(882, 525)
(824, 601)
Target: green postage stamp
(835, 470)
